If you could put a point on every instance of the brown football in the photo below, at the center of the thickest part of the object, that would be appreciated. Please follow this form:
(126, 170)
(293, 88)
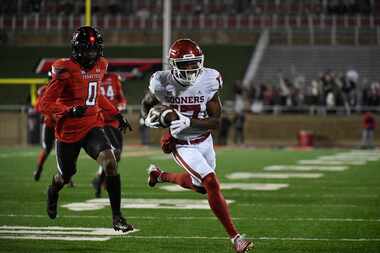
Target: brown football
(170, 116)
(167, 115)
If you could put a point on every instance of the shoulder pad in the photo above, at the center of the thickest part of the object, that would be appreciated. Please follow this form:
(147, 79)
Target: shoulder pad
(61, 69)
(216, 80)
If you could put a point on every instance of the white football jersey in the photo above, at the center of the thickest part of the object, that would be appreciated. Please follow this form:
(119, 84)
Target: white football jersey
(189, 100)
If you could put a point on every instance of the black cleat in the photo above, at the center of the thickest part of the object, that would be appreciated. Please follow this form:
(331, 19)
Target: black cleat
(52, 200)
(120, 223)
(97, 184)
(37, 174)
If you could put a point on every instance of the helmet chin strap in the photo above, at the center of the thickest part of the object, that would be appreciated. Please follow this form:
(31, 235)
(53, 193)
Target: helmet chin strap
(181, 81)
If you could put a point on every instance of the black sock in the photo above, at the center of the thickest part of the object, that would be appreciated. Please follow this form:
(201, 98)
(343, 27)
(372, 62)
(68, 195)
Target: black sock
(114, 193)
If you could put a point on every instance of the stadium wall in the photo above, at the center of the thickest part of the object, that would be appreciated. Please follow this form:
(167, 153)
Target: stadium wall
(260, 130)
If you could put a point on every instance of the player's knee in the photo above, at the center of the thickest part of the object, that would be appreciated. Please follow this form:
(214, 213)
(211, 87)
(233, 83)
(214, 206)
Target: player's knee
(63, 179)
(107, 160)
(117, 154)
(211, 183)
(58, 179)
(66, 180)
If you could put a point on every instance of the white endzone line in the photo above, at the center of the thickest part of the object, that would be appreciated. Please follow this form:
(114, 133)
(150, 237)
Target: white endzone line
(183, 218)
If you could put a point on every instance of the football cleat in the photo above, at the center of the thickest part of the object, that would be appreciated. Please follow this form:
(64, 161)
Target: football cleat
(37, 174)
(242, 245)
(120, 223)
(52, 200)
(154, 175)
(97, 184)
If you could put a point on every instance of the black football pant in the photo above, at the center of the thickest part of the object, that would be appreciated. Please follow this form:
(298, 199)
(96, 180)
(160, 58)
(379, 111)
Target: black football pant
(47, 138)
(115, 137)
(93, 143)
(67, 153)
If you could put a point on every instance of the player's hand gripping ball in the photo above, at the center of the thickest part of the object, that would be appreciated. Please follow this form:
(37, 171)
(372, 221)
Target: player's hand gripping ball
(160, 116)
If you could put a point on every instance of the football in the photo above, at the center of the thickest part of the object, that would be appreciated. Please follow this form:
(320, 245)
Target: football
(166, 115)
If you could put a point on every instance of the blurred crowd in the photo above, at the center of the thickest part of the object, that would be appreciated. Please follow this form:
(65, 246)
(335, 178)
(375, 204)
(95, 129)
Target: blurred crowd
(194, 7)
(331, 91)
(350, 7)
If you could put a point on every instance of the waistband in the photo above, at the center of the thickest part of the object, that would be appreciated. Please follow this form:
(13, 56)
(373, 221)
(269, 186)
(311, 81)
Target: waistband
(197, 140)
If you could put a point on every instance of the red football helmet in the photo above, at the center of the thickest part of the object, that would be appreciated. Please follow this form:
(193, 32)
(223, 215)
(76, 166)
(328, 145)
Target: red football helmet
(186, 60)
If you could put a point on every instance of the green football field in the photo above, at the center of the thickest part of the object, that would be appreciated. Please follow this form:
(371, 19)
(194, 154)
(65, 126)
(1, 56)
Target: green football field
(285, 200)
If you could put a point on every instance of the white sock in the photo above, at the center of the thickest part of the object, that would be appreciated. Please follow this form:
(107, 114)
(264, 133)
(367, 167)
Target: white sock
(234, 238)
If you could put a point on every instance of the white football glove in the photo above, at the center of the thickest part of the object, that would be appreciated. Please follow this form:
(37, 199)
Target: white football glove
(179, 125)
(152, 118)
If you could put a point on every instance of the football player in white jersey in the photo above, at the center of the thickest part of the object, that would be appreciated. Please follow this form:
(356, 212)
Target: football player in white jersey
(192, 90)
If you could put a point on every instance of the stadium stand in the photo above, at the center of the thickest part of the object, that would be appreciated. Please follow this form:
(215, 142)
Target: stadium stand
(313, 60)
(195, 7)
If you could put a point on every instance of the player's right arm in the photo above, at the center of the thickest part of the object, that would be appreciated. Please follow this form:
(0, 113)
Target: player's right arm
(48, 103)
(147, 103)
(60, 75)
(150, 99)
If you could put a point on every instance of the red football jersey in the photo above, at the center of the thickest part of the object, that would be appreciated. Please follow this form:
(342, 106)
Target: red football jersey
(72, 86)
(49, 119)
(112, 89)
(369, 121)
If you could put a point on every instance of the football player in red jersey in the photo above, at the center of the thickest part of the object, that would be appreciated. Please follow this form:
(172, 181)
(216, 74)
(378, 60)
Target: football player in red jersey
(73, 95)
(112, 89)
(47, 134)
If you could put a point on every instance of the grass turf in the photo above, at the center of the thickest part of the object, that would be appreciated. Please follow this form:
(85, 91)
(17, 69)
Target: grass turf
(327, 214)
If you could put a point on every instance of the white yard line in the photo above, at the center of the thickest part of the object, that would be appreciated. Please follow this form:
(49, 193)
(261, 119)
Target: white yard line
(55, 238)
(68, 238)
(319, 239)
(61, 233)
(258, 238)
(248, 175)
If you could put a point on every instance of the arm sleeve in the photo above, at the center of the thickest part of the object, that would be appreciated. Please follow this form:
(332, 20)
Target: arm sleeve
(155, 86)
(215, 86)
(107, 106)
(48, 102)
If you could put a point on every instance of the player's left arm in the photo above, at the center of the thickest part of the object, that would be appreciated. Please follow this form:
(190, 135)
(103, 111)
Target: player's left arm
(214, 110)
(120, 98)
(106, 105)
